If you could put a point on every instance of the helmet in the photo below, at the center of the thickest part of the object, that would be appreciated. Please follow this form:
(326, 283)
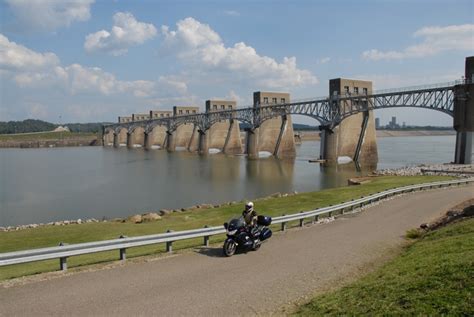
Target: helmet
(249, 206)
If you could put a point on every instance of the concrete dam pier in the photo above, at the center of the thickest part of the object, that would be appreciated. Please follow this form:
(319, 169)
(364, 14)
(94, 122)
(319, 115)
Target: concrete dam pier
(345, 119)
(355, 136)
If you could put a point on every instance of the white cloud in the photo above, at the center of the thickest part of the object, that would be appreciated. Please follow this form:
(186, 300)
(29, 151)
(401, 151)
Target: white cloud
(14, 56)
(202, 48)
(434, 41)
(30, 69)
(324, 60)
(126, 32)
(40, 15)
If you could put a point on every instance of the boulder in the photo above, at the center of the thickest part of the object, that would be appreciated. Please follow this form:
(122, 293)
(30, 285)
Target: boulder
(135, 218)
(151, 216)
(164, 212)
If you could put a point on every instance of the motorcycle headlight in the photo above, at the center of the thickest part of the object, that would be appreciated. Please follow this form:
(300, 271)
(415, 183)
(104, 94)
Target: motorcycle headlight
(231, 232)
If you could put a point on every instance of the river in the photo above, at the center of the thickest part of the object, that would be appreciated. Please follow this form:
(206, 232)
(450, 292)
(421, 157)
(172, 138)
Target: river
(43, 185)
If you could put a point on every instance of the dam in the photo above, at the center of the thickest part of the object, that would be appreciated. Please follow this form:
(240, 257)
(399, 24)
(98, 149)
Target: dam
(345, 119)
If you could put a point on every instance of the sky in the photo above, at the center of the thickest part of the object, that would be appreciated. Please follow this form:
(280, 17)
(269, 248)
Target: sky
(90, 61)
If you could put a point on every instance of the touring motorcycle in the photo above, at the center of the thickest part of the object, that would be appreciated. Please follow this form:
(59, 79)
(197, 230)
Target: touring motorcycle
(240, 236)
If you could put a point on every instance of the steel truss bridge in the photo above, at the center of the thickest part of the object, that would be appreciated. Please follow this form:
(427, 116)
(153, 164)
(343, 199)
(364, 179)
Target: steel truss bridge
(329, 112)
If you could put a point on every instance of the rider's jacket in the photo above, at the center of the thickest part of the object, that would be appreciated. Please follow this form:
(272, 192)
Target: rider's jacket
(250, 217)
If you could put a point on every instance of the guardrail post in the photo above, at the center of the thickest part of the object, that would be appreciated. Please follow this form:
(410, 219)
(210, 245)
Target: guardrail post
(123, 252)
(63, 260)
(169, 244)
(206, 238)
(301, 220)
(283, 224)
(316, 218)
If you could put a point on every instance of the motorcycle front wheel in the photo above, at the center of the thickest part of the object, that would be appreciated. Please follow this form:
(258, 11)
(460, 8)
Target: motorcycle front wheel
(229, 247)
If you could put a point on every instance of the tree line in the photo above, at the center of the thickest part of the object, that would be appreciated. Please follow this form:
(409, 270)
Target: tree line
(32, 125)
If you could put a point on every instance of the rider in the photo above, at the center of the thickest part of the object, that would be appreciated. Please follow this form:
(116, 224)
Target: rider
(250, 215)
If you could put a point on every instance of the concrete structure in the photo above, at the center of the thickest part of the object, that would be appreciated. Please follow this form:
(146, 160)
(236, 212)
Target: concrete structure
(160, 114)
(355, 136)
(136, 137)
(140, 117)
(223, 135)
(274, 135)
(124, 119)
(120, 137)
(185, 135)
(463, 121)
(346, 120)
(108, 138)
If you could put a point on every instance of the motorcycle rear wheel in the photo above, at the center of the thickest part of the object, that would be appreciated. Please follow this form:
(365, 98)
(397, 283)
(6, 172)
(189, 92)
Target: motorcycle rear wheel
(229, 247)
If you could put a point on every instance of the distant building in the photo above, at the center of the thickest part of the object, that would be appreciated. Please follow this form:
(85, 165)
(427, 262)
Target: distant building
(182, 111)
(393, 124)
(124, 119)
(140, 116)
(377, 123)
(159, 114)
(267, 98)
(220, 105)
(62, 129)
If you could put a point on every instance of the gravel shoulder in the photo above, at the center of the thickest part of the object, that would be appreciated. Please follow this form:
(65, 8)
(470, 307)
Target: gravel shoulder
(291, 266)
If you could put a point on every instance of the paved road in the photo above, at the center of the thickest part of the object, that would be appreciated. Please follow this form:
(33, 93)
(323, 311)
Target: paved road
(292, 264)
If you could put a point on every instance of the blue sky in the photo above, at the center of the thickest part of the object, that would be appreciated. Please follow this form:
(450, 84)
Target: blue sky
(87, 60)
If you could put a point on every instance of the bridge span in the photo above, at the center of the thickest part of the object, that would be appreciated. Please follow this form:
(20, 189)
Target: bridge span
(345, 118)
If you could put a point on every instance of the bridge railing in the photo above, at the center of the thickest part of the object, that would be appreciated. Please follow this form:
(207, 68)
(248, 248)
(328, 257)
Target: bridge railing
(422, 87)
(62, 252)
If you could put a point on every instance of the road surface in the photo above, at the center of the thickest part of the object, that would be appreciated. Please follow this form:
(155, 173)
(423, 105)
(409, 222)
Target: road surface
(290, 266)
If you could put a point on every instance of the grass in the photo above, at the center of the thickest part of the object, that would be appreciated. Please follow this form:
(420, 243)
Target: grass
(433, 276)
(48, 236)
(43, 136)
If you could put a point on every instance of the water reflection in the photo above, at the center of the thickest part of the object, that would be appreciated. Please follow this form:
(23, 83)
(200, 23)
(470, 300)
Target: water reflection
(42, 185)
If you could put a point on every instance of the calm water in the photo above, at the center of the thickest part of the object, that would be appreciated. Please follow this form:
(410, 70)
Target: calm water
(42, 185)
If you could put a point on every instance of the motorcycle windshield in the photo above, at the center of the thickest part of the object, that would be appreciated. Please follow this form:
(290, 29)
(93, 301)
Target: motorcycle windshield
(236, 223)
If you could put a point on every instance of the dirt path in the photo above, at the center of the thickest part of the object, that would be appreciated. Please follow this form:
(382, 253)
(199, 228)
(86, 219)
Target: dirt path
(291, 265)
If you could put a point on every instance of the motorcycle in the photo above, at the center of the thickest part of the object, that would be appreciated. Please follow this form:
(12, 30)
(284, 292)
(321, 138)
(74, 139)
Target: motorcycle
(239, 236)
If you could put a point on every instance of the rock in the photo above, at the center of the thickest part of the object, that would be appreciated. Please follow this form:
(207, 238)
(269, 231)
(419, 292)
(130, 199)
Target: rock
(206, 206)
(176, 210)
(164, 212)
(151, 216)
(3, 229)
(57, 223)
(66, 222)
(79, 221)
(135, 218)
(276, 195)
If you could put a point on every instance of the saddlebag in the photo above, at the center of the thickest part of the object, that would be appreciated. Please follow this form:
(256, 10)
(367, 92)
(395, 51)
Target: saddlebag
(264, 220)
(265, 234)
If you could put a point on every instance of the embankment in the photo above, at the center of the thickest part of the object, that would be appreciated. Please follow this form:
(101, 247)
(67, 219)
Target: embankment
(431, 277)
(46, 140)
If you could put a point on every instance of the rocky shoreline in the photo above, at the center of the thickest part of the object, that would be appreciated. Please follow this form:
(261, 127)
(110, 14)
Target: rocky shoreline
(137, 218)
(446, 169)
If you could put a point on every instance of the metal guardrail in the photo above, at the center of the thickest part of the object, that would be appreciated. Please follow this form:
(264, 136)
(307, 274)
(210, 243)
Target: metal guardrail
(62, 252)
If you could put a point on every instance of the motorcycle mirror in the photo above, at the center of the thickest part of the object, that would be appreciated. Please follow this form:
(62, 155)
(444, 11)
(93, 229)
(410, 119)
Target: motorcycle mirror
(225, 225)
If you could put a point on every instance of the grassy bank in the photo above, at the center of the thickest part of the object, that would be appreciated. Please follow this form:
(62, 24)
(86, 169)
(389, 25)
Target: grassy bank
(434, 276)
(45, 136)
(51, 235)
